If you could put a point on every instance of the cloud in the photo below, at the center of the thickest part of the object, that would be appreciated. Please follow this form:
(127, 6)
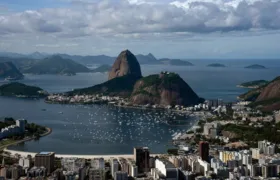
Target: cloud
(140, 17)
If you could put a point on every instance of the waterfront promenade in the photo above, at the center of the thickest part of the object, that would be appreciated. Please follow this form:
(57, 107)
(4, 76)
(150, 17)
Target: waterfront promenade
(49, 131)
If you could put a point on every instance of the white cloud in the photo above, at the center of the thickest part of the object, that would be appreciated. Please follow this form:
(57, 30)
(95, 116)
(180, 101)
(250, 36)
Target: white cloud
(135, 23)
(138, 16)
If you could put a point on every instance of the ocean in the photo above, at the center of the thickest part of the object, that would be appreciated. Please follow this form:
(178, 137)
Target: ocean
(102, 129)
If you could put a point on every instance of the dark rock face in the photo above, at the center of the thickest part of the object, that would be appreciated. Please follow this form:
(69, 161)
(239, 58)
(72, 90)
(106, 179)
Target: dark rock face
(125, 64)
(163, 89)
(8, 69)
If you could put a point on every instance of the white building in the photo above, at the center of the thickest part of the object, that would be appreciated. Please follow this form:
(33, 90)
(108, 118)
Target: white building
(205, 166)
(255, 153)
(266, 147)
(12, 130)
(166, 169)
(24, 162)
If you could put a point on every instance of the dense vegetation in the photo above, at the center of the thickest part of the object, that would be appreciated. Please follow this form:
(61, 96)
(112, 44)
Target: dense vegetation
(254, 84)
(165, 89)
(56, 65)
(120, 86)
(252, 134)
(19, 89)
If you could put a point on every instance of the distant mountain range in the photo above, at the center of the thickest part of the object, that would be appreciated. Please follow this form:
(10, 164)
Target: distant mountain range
(98, 59)
(55, 65)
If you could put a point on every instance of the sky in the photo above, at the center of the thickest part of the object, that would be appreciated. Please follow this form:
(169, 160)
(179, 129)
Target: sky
(235, 29)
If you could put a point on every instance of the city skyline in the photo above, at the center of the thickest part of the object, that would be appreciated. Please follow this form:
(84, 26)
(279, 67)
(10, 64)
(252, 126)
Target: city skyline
(175, 29)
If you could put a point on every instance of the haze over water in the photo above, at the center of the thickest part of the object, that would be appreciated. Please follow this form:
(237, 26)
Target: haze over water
(108, 130)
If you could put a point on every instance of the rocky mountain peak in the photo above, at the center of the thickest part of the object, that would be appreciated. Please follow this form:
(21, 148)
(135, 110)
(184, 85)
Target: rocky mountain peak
(125, 64)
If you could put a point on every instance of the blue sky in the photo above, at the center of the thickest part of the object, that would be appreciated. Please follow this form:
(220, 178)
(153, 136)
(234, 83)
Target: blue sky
(166, 28)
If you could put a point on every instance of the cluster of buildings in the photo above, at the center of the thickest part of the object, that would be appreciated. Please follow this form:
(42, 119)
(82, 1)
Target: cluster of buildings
(12, 130)
(82, 99)
(255, 163)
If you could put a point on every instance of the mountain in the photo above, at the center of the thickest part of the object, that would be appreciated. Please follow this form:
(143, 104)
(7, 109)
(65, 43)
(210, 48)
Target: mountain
(37, 55)
(122, 77)
(99, 59)
(216, 65)
(8, 69)
(163, 89)
(147, 59)
(125, 80)
(266, 98)
(103, 68)
(255, 66)
(125, 64)
(175, 62)
(19, 89)
(56, 65)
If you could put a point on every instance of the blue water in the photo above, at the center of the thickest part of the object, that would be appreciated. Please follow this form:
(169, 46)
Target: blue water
(97, 129)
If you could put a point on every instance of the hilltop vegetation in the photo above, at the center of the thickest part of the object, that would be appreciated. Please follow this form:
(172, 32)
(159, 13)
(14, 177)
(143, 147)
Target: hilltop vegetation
(119, 86)
(163, 89)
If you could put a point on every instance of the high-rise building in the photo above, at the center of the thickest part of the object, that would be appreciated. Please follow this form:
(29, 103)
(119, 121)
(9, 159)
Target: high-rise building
(114, 166)
(82, 173)
(120, 175)
(142, 159)
(204, 150)
(45, 159)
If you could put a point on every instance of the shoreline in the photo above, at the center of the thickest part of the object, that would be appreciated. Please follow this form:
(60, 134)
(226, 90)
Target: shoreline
(49, 131)
(85, 156)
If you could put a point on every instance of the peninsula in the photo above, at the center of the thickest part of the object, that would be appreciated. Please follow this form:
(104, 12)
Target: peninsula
(16, 131)
(253, 84)
(21, 90)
